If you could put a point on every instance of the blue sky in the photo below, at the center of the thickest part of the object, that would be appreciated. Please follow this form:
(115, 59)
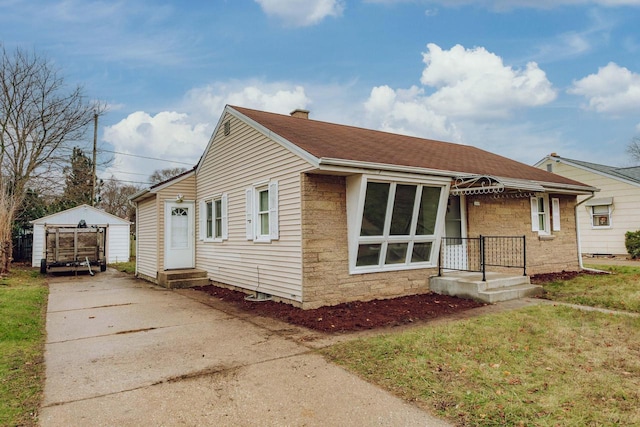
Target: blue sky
(520, 78)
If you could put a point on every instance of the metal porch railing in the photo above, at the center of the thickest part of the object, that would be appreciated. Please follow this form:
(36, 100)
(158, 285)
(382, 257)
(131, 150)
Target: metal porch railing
(475, 254)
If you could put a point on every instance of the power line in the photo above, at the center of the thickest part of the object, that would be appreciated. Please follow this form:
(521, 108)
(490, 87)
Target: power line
(119, 171)
(124, 180)
(145, 157)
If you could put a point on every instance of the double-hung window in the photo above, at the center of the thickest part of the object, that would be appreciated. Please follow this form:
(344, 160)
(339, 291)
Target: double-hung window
(213, 214)
(262, 212)
(397, 226)
(601, 216)
(545, 216)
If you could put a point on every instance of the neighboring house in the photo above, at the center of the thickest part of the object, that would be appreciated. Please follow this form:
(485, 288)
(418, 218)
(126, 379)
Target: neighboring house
(117, 238)
(603, 219)
(316, 213)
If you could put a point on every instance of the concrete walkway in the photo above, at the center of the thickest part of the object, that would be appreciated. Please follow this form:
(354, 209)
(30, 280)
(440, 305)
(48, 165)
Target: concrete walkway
(123, 352)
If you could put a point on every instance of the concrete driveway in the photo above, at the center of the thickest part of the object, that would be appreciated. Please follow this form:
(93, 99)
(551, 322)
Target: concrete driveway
(121, 351)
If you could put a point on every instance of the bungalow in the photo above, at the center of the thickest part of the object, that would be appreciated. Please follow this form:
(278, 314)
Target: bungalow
(315, 213)
(602, 220)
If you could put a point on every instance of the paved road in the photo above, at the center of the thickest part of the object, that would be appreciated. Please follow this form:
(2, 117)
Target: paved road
(123, 352)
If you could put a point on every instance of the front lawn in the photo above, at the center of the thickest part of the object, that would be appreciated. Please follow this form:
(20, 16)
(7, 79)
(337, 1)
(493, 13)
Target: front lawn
(543, 365)
(619, 290)
(23, 302)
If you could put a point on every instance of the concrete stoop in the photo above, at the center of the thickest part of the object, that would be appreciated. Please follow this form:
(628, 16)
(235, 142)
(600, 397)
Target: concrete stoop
(188, 278)
(498, 287)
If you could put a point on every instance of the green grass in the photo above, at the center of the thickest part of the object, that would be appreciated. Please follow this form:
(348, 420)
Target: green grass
(619, 290)
(543, 365)
(23, 301)
(125, 267)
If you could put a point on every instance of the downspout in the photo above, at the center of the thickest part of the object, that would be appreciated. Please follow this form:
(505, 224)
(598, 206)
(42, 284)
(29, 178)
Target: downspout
(578, 231)
(135, 205)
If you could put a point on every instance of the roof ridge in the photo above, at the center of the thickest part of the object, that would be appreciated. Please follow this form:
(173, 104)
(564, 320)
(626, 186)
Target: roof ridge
(358, 145)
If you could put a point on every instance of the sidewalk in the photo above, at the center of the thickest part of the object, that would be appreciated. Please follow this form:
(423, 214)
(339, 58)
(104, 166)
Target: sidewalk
(121, 351)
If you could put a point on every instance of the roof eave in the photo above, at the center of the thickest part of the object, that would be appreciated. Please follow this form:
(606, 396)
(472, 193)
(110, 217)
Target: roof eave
(140, 195)
(568, 188)
(354, 166)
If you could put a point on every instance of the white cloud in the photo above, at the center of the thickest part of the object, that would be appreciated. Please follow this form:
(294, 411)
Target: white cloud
(476, 83)
(208, 102)
(405, 112)
(167, 135)
(613, 89)
(470, 86)
(182, 137)
(302, 13)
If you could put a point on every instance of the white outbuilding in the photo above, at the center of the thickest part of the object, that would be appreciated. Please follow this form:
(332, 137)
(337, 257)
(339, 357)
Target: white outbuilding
(117, 238)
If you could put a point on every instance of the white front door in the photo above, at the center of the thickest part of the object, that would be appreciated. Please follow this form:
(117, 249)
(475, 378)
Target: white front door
(179, 238)
(455, 246)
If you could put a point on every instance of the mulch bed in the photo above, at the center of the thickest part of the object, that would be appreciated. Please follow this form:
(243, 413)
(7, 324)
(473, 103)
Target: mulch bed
(541, 279)
(351, 316)
(359, 315)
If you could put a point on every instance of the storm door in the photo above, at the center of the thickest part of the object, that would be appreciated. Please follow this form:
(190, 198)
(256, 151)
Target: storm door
(179, 248)
(455, 245)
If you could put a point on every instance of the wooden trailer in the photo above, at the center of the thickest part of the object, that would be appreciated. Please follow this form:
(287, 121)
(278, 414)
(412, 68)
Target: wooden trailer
(74, 249)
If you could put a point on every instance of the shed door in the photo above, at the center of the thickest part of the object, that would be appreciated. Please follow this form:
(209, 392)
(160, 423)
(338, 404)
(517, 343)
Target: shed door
(179, 240)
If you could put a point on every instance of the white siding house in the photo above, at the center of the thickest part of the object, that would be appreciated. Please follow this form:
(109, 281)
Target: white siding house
(603, 219)
(314, 213)
(117, 231)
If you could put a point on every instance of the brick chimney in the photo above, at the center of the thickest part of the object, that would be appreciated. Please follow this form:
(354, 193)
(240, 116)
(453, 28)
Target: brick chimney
(299, 113)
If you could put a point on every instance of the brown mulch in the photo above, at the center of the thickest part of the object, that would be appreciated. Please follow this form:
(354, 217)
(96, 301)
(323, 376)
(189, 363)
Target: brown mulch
(351, 316)
(541, 279)
(362, 315)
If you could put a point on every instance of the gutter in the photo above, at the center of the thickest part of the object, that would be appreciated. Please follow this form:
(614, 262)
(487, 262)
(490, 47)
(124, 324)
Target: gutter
(578, 232)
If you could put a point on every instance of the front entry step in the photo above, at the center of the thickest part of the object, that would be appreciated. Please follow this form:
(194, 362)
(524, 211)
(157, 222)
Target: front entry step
(188, 278)
(495, 289)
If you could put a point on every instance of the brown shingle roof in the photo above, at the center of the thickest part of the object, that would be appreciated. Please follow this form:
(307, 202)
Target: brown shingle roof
(334, 141)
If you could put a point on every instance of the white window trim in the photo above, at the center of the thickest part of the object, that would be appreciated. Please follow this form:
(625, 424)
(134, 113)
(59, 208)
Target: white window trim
(356, 192)
(535, 215)
(224, 199)
(592, 214)
(252, 223)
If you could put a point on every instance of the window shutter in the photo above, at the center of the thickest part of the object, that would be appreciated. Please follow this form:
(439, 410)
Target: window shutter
(225, 216)
(249, 206)
(555, 203)
(534, 214)
(203, 220)
(273, 210)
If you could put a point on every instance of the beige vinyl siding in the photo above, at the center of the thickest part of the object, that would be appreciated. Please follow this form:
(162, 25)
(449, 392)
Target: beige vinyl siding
(147, 238)
(626, 205)
(232, 164)
(186, 187)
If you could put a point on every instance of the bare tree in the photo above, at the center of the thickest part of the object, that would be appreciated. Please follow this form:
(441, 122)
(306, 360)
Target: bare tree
(633, 149)
(40, 119)
(114, 198)
(165, 174)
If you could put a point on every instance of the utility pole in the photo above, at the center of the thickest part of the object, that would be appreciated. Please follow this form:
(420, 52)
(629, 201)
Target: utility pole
(95, 149)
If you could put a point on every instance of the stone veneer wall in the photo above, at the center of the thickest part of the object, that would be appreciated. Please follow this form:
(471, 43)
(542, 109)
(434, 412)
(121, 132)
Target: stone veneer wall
(512, 217)
(325, 270)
